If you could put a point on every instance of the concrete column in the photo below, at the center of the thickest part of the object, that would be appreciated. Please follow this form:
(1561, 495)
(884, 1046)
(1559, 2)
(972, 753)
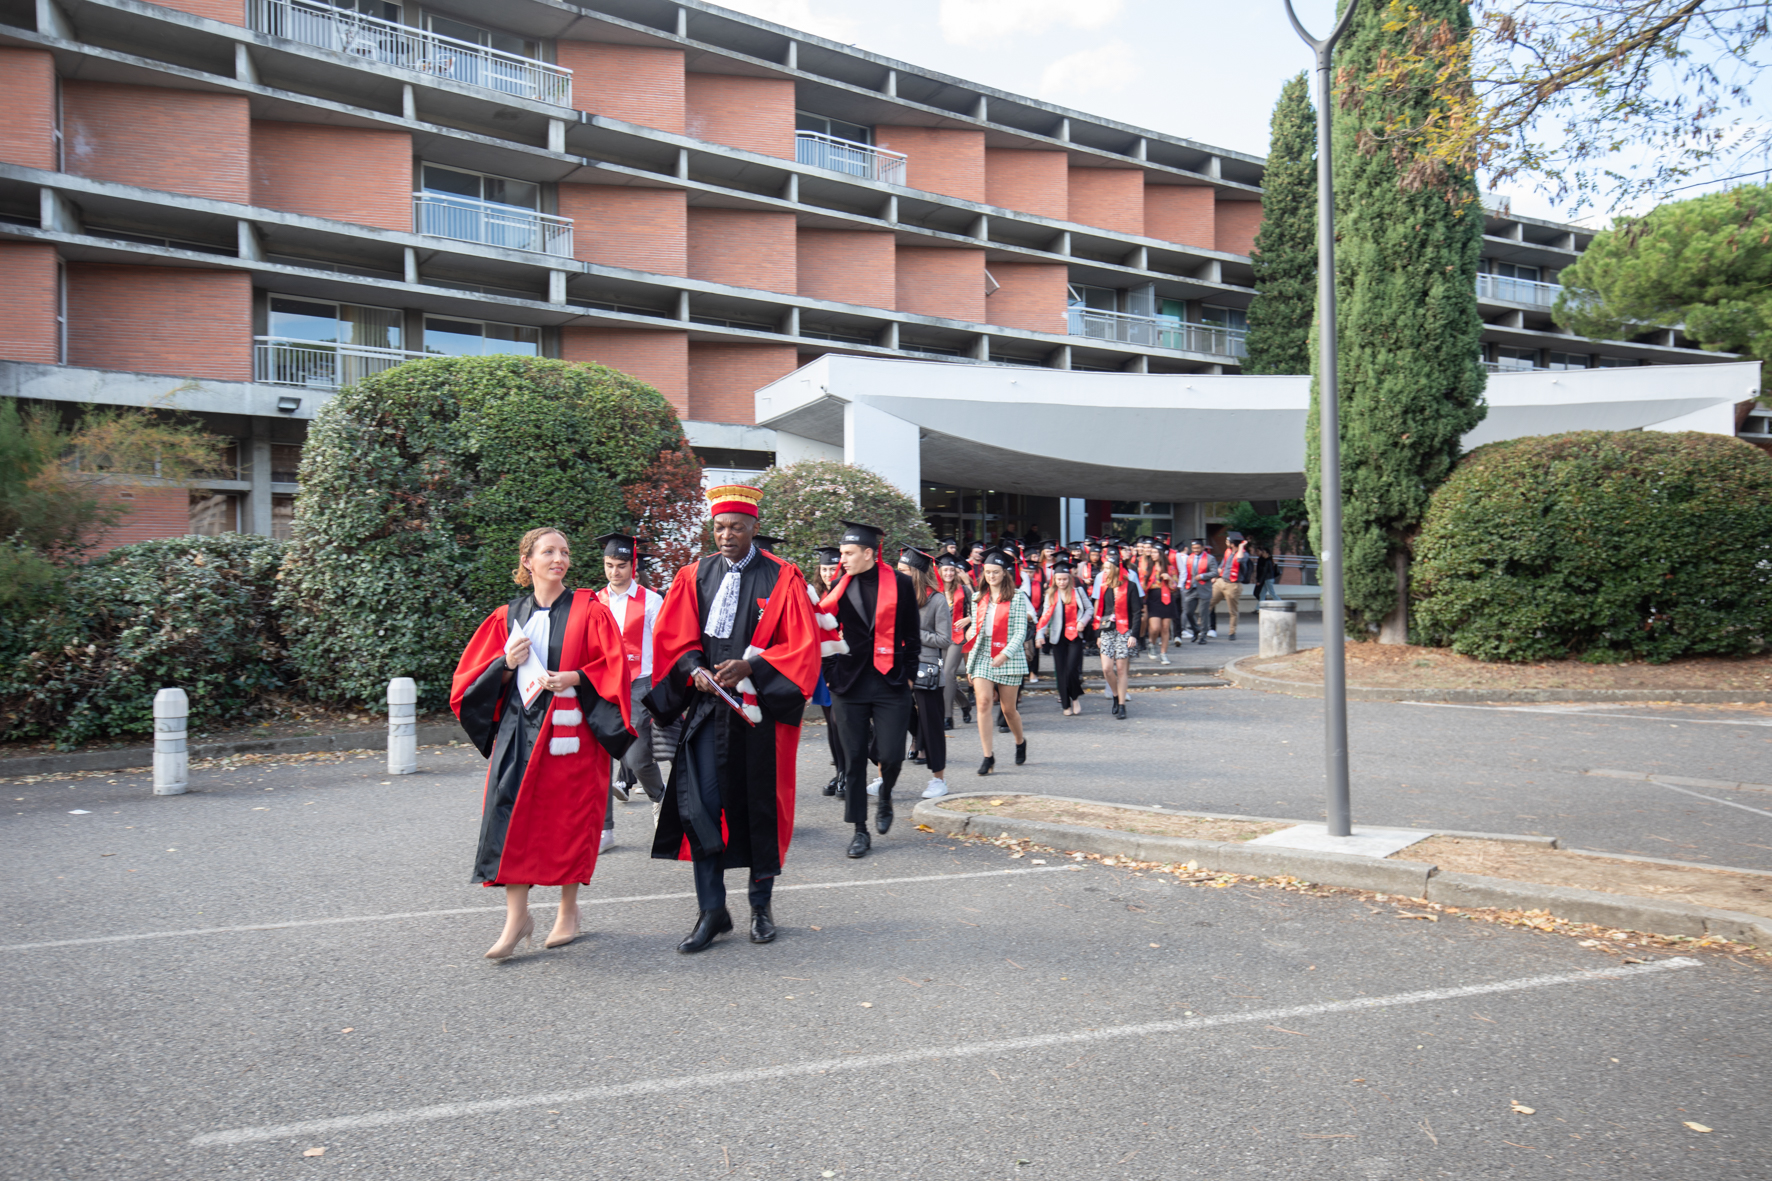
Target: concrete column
(259, 499)
(1279, 628)
(557, 135)
(245, 70)
(172, 756)
(247, 241)
(408, 103)
(890, 447)
(412, 275)
(556, 286)
(402, 726)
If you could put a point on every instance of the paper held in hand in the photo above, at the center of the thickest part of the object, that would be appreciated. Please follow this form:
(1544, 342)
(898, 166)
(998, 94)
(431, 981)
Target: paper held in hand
(530, 672)
(706, 677)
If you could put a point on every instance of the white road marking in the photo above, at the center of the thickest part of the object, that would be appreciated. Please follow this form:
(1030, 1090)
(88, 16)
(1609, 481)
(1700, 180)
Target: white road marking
(1574, 711)
(583, 901)
(728, 1078)
(1712, 799)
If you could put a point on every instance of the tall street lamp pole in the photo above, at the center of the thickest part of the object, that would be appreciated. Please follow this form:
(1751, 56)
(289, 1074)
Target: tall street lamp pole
(1329, 405)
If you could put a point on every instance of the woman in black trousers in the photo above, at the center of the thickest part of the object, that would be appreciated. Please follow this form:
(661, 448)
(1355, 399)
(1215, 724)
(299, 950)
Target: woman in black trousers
(936, 630)
(1066, 615)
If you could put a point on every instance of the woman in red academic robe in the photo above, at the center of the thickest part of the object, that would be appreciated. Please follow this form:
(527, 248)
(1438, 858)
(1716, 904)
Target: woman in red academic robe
(542, 677)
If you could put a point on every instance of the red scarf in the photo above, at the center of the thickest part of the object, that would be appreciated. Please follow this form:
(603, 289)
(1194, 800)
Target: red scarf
(1036, 584)
(999, 625)
(885, 613)
(1227, 567)
(1070, 614)
(633, 628)
(1196, 566)
(959, 609)
(1121, 623)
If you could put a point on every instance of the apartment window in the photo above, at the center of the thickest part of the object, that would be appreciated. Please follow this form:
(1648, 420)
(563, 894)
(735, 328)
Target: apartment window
(439, 181)
(835, 128)
(478, 338)
(376, 8)
(475, 35)
(1507, 358)
(1100, 299)
(282, 516)
(1235, 319)
(214, 513)
(325, 322)
(285, 462)
(1558, 360)
(1511, 270)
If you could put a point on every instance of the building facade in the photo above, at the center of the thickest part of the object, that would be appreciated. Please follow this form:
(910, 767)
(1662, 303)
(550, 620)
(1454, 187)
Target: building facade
(237, 207)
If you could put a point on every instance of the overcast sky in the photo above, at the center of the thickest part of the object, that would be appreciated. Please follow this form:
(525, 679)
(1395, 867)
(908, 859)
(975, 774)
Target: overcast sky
(1207, 70)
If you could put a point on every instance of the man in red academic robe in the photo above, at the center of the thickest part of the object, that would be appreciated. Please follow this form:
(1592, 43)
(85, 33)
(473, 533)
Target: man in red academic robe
(739, 620)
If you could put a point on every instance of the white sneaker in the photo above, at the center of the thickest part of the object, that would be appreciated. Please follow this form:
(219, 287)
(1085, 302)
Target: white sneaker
(937, 787)
(1186, 634)
(874, 786)
(1164, 659)
(619, 789)
(608, 841)
(1213, 632)
(657, 807)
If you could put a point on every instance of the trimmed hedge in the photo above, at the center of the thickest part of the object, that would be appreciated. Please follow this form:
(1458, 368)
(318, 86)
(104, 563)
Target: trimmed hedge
(805, 504)
(1607, 545)
(417, 484)
(191, 612)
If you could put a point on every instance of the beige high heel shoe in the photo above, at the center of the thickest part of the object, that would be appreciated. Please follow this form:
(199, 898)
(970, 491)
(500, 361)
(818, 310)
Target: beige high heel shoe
(557, 940)
(502, 951)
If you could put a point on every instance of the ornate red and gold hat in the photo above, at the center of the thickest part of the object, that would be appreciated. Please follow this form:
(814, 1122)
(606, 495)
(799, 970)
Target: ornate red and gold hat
(733, 498)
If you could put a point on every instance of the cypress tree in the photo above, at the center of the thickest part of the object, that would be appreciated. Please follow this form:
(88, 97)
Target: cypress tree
(1285, 255)
(1408, 239)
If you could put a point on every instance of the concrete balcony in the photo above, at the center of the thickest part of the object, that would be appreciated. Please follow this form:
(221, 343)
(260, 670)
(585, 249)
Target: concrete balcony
(375, 40)
(466, 219)
(1526, 291)
(319, 365)
(848, 157)
(1160, 332)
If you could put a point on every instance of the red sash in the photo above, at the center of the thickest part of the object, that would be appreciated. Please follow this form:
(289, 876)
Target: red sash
(1227, 568)
(959, 609)
(1036, 584)
(1196, 566)
(885, 613)
(633, 628)
(1070, 615)
(1121, 623)
(999, 624)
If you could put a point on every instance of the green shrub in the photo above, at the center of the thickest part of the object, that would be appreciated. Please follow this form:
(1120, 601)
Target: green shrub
(805, 504)
(1608, 545)
(418, 483)
(188, 612)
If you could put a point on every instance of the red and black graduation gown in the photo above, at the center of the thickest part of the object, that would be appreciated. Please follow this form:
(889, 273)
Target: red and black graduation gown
(547, 782)
(752, 820)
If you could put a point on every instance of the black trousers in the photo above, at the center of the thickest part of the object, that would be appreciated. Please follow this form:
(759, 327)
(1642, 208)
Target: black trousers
(1067, 661)
(710, 879)
(835, 739)
(932, 740)
(871, 701)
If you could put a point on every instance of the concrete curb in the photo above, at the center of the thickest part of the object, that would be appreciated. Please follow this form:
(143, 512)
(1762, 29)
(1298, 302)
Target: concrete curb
(1244, 679)
(142, 756)
(1411, 879)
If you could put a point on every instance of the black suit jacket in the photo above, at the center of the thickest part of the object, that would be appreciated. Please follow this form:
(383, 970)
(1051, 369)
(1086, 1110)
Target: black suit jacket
(844, 672)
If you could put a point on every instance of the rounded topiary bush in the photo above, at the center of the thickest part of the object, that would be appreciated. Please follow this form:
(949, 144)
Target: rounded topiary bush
(418, 483)
(193, 613)
(1607, 545)
(805, 504)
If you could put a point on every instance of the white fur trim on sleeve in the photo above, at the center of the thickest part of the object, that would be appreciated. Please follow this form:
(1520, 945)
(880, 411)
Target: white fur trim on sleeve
(568, 717)
(752, 652)
(566, 693)
(745, 686)
(752, 712)
(828, 622)
(833, 648)
(563, 746)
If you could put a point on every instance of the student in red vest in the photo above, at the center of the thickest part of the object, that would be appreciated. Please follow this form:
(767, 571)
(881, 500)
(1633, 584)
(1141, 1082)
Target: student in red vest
(951, 581)
(1117, 603)
(1198, 570)
(830, 643)
(1236, 570)
(996, 660)
(1063, 622)
(876, 608)
(634, 608)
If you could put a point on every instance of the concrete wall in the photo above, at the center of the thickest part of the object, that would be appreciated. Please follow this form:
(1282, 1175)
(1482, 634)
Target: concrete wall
(941, 160)
(178, 141)
(633, 83)
(660, 359)
(28, 330)
(354, 174)
(173, 320)
(941, 282)
(27, 95)
(756, 114)
(847, 266)
(1027, 181)
(620, 226)
(743, 247)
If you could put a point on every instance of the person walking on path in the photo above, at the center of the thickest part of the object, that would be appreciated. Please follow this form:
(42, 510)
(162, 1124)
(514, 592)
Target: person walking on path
(1198, 568)
(935, 631)
(997, 664)
(1267, 574)
(830, 643)
(736, 656)
(1062, 623)
(1236, 570)
(543, 676)
(958, 593)
(876, 607)
(1117, 604)
(634, 608)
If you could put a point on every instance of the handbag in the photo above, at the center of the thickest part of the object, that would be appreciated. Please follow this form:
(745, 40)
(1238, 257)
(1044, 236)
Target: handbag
(928, 676)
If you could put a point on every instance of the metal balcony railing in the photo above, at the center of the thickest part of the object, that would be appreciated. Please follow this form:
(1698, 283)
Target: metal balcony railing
(1513, 365)
(1161, 332)
(848, 157)
(377, 40)
(469, 220)
(316, 365)
(1527, 291)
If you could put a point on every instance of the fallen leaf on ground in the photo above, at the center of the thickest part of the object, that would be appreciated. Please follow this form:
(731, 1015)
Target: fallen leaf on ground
(1521, 1107)
(867, 1004)
(314, 1152)
(1696, 1127)
(348, 1029)
(1432, 918)
(920, 828)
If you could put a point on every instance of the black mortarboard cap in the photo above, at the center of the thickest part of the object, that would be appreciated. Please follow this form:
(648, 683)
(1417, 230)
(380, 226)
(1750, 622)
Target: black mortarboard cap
(998, 557)
(620, 545)
(766, 543)
(1049, 543)
(1061, 566)
(915, 558)
(829, 555)
(946, 560)
(1233, 535)
(855, 533)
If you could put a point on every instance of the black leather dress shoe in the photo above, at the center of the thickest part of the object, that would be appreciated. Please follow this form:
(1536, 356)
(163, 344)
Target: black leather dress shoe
(1002, 726)
(990, 761)
(947, 723)
(762, 925)
(860, 843)
(883, 814)
(710, 924)
(1021, 753)
(966, 715)
(918, 759)
(830, 789)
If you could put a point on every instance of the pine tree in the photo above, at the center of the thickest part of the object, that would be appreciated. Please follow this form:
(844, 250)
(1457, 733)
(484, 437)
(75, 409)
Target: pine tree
(1285, 255)
(1408, 239)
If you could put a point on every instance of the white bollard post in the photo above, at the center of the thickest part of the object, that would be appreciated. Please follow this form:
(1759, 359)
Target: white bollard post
(1279, 628)
(402, 726)
(172, 757)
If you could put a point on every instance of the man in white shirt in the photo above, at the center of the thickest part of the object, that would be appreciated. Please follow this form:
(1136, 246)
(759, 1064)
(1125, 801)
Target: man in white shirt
(634, 607)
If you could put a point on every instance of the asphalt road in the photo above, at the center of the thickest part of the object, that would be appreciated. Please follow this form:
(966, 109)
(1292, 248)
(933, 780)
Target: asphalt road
(913, 1020)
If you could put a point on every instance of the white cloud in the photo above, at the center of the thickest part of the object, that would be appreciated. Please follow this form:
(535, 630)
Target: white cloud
(818, 17)
(1106, 69)
(982, 22)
